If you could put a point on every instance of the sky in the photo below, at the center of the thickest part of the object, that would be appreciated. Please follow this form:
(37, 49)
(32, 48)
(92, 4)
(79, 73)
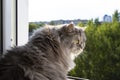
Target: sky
(47, 10)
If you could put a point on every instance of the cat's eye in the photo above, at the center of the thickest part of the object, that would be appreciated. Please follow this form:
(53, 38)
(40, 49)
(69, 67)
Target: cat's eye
(76, 41)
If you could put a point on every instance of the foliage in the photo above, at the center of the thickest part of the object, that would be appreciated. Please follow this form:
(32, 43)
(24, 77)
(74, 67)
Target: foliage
(52, 23)
(101, 57)
(41, 24)
(33, 25)
(81, 24)
(97, 22)
(115, 16)
(90, 23)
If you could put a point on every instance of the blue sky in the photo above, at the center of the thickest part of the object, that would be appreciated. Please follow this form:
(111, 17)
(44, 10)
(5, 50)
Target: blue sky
(47, 10)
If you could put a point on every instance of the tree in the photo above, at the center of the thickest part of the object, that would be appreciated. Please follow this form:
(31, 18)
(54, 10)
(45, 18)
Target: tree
(52, 23)
(41, 24)
(80, 24)
(90, 23)
(101, 57)
(115, 16)
(96, 21)
(35, 25)
(32, 26)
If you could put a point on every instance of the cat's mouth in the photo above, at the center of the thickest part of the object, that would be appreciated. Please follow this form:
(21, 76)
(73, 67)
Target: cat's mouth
(82, 46)
(76, 53)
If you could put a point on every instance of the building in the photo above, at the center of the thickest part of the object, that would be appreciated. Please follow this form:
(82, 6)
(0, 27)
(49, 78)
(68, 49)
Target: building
(107, 18)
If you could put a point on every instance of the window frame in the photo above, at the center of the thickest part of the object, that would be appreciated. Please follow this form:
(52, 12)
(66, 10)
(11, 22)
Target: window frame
(1, 29)
(22, 22)
(15, 23)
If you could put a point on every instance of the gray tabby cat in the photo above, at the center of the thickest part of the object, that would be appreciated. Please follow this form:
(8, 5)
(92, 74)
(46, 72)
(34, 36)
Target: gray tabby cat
(47, 56)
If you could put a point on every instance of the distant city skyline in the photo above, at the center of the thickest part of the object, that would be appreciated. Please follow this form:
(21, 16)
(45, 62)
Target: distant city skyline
(47, 10)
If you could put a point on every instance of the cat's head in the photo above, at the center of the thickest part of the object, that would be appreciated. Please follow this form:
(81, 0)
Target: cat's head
(73, 38)
(60, 43)
(70, 37)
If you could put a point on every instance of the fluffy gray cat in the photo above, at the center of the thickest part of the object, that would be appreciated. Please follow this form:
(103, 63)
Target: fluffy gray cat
(47, 56)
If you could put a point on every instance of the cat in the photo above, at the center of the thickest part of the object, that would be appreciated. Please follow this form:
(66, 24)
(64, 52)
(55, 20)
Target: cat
(48, 55)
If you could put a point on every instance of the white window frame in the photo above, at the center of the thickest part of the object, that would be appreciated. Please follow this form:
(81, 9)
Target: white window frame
(22, 22)
(15, 23)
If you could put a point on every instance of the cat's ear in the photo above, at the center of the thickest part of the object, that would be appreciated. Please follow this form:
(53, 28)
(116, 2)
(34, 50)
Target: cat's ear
(70, 27)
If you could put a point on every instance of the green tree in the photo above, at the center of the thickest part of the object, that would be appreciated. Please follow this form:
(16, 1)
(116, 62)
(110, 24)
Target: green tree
(80, 24)
(101, 57)
(32, 26)
(97, 22)
(52, 23)
(90, 23)
(115, 16)
(41, 24)
(35, 25)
